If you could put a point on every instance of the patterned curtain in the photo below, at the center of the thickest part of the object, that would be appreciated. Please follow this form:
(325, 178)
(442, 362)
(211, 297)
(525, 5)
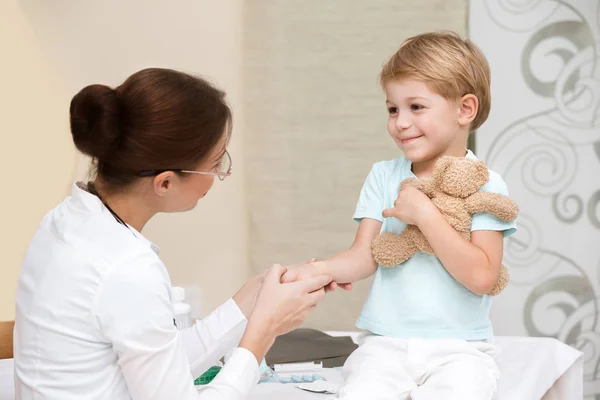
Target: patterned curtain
(544, 137)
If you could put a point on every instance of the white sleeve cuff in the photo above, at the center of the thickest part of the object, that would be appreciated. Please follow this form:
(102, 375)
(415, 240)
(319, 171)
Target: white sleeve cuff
(214, 336)
(240, 373)
(232, 315)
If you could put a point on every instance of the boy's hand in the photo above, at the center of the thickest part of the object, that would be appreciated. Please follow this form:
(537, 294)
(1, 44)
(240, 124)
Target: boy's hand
(410, 206)
(298, 272)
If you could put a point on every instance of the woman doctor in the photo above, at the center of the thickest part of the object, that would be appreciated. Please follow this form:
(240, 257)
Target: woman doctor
(94, 317)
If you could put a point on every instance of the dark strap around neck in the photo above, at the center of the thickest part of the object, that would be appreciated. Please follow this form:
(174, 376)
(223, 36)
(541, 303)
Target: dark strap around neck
(92, 189)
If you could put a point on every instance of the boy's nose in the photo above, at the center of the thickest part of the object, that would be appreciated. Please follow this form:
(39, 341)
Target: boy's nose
(403, 122)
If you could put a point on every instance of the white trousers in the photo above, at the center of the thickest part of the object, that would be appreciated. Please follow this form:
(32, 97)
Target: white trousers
(384, 368)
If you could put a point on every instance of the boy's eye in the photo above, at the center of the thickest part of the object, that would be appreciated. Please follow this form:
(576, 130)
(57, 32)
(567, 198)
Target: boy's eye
(416, 107)
(392, 110)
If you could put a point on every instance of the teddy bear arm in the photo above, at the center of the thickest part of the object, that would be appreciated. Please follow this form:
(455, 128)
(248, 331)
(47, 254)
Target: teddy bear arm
(503, 207)
(389, 249)
(425, 185)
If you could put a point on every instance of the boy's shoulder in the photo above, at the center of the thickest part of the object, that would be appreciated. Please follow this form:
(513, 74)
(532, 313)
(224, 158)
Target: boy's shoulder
(495, 184)
(495, 181)
(395, 164)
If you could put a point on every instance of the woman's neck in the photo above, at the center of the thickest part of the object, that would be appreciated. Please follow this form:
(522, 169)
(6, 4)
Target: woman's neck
(129, 205)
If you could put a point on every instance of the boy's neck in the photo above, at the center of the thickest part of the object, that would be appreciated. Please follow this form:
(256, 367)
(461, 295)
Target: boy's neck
(424, 169)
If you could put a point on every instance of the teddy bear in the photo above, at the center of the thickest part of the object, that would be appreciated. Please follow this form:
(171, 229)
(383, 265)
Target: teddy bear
(453, 189)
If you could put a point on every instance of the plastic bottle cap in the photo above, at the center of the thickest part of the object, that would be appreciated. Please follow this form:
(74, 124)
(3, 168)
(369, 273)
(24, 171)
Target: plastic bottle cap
(178, 294)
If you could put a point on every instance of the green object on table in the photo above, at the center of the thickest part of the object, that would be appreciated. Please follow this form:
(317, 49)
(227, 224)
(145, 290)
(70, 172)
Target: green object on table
(207, 376)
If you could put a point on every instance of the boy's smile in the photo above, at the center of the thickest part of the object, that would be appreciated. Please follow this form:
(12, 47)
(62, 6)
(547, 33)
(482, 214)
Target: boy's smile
(424, 124)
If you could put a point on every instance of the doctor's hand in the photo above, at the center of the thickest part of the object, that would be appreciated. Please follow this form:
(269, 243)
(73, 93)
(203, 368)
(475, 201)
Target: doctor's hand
(281, 308)
(310, 269)
(245, 298)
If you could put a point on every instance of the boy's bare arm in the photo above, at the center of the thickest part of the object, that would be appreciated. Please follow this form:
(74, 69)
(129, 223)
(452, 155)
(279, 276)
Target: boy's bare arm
(350, 265)
(475, 264)
(357, 262)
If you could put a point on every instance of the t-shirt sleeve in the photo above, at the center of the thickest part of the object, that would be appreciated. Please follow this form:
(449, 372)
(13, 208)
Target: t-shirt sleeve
(371, 199)
(489, 222)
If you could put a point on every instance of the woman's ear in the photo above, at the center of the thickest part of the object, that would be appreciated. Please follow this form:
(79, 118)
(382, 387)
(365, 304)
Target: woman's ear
(163, 182)
(468, 106)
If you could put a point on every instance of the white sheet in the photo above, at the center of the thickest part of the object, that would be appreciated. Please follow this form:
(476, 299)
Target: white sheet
(534, 368)
(531, 369)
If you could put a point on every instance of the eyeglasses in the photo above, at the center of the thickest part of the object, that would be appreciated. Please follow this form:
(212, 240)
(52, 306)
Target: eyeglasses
(223, 169)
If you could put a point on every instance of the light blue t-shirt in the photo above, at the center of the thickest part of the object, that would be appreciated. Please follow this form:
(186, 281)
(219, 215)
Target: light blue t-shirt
(419, 298)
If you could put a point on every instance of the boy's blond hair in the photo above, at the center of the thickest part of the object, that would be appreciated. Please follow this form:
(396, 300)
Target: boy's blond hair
(449, 65)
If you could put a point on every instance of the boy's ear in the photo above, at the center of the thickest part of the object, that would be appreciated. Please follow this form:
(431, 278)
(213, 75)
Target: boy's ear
(468, 106)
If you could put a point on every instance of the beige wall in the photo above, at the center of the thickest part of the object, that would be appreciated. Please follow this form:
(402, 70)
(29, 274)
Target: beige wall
(52, 49)
(37, 159)
(316, 122)
(309, 122)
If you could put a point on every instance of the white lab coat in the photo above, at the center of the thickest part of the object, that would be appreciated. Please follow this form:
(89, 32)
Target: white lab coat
(94, 318)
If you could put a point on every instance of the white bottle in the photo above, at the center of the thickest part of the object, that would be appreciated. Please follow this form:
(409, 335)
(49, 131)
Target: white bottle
(183, 318)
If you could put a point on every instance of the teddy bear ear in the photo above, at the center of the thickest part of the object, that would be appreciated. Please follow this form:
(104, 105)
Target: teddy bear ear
(482, 172)
(441, 165)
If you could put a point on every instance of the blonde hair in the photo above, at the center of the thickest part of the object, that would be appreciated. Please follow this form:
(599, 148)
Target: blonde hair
(449, 65)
